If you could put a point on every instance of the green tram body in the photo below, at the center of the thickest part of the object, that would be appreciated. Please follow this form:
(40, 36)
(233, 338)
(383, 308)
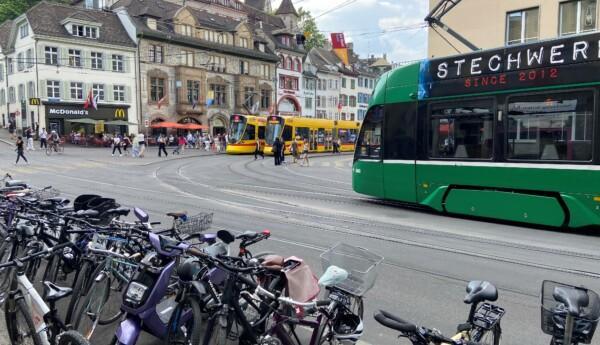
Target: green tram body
(547, 178)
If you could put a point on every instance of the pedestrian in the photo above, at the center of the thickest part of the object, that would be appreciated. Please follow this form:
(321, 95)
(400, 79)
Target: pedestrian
(19, 150)
(116, 141)
(338, 143)
(12, 129)
(305, 153)
(335, 147)
(218, 142)
(190, 140)
(162, 145)
(126, 142)
(142, 144)
(135, 150)
(29, 136)
(277, 151)
(181, 142)
(294, 150)
(258, 150)
(43, 138)
(207, 142)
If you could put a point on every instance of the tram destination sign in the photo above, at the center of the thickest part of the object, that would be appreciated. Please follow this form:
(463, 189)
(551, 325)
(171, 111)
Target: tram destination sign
(571, 60)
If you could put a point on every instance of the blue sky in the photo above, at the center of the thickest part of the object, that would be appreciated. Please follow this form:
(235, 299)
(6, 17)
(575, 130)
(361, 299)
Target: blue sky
(364, 20)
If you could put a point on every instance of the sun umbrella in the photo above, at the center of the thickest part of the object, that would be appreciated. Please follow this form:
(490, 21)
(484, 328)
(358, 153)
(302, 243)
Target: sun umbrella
(166, 125)
(192, 126)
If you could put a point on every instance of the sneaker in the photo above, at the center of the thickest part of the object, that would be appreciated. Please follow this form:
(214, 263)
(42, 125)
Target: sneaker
(113, 155)
(120, 155)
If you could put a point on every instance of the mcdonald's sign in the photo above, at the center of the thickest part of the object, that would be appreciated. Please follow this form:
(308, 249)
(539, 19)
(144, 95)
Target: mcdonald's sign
(34, 101)
(120, 113)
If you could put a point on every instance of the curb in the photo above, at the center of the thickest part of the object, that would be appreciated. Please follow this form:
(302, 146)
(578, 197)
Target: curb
(6, 142)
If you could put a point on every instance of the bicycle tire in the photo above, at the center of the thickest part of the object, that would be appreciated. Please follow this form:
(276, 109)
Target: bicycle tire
(487, 337)
(52, 269)
(12, 326)
(80, 286)
(72, 338)
(5, 273)
(49, 151)
(216, 334)
(195, 322)
(95, 299)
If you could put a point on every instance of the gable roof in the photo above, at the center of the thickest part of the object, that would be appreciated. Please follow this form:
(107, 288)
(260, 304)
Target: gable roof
(45, 18)
(5, 32)
(286, 7)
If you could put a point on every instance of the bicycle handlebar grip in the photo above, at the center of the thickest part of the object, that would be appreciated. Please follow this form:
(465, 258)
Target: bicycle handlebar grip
(323, 303)
(196, 252)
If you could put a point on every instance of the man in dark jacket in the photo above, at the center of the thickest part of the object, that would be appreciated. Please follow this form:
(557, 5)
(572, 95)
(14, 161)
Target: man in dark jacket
(277, 151)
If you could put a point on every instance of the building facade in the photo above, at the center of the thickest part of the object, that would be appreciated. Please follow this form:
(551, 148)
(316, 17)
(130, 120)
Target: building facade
(55, 57)
(511, 22)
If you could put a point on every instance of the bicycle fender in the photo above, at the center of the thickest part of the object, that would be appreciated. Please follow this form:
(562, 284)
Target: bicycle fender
(199, 287)
(128, 332)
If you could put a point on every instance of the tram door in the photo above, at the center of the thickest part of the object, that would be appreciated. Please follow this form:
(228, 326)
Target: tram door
(314, 135)
(328, 140)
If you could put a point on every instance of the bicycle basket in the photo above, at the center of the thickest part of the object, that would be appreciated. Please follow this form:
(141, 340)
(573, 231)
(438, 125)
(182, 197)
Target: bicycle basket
(554, 314)
(194, 224)
(46, 193)
(359, 262)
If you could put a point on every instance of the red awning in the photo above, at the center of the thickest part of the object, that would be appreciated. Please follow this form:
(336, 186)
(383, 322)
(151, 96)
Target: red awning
(192, 126)
(166, 125)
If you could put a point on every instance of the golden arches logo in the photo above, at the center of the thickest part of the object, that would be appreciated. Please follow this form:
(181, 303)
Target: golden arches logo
(119, 113)
(34, 101)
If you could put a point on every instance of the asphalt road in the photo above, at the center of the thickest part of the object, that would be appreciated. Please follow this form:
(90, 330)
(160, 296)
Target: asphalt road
(428, 258)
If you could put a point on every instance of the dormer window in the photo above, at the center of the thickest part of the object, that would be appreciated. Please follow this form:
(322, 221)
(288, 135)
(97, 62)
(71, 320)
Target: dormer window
(24, 30)
(84, 31)
(186, 30)
(244, 42)
(261, 47)
(151, 22)
(285, 40)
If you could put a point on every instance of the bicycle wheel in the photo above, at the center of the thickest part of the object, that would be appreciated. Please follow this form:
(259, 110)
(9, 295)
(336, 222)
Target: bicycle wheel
(79, 288)
(19, 324)
(5, 251)
(49, 150)
(72, 338)
(88, 317)
(188, 332)
(216, 332)
(489, 337)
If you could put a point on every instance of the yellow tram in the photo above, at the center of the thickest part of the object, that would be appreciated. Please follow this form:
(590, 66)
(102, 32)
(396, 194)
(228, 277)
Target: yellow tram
(320, 133)
(243, 133)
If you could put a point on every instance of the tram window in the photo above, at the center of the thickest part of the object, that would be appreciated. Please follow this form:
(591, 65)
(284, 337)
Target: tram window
(462, 130)
(321, 136)
(369, 141)
(261, 132)
(400, 131)
(347, 136)
(287, 133)
(302, 132)
(551, 127)
(250, 133)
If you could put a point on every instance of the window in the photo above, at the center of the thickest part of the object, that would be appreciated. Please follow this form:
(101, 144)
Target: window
(29, 58)
(151, 23)
(285, 40)
(193, 91)
(10, 66)
(462, 130)
(318, 102)
(244, 67)
(31, 89)
(217, 64)
(261, 47)
(51, 55)
(96, 60)
(244, 42)
(344, 83)
(288, 63)
(98, 90)
(265, 71)
(344, 100)
(24, 30)
(11, 95)
(249, 133)
(155, 53)
(353, 84)
(577, 16)
(360, 82)
(353, 101)
(117, 63)
(308, 103)
(1, 72)
(53, 88)
(20, 62)
(76, 90)
(186, 58)
(74, 58)
(265, 99)
(119, 93)
(2, 97)
(522, 26)
(371, 83)
(248, 97)
(369, 141)
(186, 30)
(297, 66)
(157, 89)
(551, 127)
(220, 94)
(84, 31)
(21, 93)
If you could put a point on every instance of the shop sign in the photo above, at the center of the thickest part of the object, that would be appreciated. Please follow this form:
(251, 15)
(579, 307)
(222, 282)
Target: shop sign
(76, 111)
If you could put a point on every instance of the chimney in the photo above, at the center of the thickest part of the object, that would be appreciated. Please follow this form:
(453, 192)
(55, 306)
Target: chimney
(385, 56)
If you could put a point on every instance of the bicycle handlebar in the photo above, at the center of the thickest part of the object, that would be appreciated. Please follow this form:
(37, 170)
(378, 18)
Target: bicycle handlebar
(35, 255)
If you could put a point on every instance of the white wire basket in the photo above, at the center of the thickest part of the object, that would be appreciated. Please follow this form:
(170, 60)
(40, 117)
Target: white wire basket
(46, 193)
(194, 224)
(360, 263)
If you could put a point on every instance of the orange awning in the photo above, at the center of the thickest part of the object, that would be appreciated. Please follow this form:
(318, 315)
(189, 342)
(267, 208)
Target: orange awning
(192, 126)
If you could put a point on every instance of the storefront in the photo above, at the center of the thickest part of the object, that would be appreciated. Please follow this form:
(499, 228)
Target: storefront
(63, 117)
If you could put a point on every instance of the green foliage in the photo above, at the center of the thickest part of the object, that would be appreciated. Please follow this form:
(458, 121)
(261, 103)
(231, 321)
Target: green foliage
(10, 9)
(308, 24)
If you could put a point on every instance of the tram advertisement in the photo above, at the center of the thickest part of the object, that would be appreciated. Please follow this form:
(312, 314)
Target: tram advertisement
(556, 62)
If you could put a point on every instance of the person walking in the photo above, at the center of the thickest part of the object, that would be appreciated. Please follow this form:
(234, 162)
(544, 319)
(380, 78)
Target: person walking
(277, 151)
(305, 153)
(29, 136)
(142, 144)
(190, 140)
(126, 142)
(43, 139)
(294, 151)
(258, 150)
(12, 128)
(135, 146)
(116, 141)
(19, 150)
(181, 142)
(282, 153)
(162, 146)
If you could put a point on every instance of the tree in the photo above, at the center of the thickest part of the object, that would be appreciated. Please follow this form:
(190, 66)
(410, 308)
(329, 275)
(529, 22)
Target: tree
(10, 9)
(308, 24)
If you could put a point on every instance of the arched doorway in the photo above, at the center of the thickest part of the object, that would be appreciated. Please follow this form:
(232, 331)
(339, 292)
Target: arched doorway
(155, 132)
(289, 105)
(218, 124)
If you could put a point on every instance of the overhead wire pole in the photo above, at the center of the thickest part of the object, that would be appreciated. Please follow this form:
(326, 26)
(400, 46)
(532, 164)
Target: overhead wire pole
(434, 18)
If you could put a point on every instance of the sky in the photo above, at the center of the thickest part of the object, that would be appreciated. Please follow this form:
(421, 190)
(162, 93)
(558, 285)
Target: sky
(364, 23)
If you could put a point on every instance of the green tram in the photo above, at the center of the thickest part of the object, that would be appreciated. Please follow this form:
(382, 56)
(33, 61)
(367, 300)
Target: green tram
(510, 134)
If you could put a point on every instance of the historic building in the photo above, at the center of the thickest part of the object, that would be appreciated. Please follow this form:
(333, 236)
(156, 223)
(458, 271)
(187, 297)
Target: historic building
(53, 56)
(198, 63)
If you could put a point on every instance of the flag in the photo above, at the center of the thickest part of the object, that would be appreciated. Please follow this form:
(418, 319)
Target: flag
(161, 101)
(340, 48)
(210, 98)
(88, 101)
(95, 102)
(340, 105)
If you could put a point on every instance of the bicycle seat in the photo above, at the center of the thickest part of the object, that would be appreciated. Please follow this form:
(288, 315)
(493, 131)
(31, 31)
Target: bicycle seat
(394, 322)
(86, 213)
(273, 262)
(248, 235)
(54, 292)
(59, 201)
(177, 215)
(15, 183)
(479, 291)
(573, 298)
(121, 211)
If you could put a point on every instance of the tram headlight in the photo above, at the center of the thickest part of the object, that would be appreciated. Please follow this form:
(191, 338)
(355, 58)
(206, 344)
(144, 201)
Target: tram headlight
(135, 293)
